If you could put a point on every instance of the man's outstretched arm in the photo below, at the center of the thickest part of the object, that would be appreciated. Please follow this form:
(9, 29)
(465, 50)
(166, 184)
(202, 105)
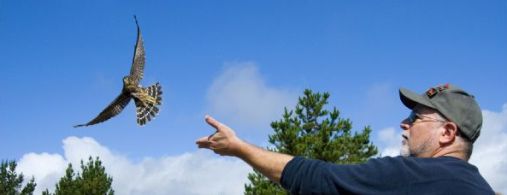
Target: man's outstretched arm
(225, 142)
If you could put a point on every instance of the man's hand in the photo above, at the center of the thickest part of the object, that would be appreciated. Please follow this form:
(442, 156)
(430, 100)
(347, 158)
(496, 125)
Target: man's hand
(223, 141)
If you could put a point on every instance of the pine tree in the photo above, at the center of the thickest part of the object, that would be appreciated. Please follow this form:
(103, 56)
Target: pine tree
(10, 181)
(313, 132)
(67, 184)
(92, 180)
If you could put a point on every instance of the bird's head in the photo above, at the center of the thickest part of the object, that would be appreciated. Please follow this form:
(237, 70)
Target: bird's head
(126, 80)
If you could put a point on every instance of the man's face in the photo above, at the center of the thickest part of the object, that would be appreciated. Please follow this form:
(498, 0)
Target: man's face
(421, 130)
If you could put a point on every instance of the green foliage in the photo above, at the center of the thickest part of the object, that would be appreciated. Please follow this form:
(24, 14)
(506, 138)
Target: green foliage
(313, 132)
(10, 181)
(262, 185)
(93, 180)
(46, 192)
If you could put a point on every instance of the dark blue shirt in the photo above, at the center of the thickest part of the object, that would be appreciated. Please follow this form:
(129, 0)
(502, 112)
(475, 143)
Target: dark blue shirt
(387, 175)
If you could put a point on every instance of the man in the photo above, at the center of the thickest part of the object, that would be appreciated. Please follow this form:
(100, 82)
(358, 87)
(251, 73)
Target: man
(438, 139)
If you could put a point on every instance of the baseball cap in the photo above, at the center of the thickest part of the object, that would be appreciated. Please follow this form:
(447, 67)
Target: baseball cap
(453, 103)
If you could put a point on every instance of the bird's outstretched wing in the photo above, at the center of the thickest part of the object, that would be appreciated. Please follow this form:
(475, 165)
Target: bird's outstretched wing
(137, 69)
(112, 110)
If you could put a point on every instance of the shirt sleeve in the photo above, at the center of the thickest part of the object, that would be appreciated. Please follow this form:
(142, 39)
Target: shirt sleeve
(306, 176)
(303, 176)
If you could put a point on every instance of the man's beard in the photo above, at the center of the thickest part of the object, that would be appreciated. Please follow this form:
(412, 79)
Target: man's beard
(404, 150)
(414, 152)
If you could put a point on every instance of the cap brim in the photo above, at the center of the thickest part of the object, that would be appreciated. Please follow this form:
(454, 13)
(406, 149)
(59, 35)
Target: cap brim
(411, 99)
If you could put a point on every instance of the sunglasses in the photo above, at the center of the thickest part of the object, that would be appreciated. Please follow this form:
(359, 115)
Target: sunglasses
(411, 119)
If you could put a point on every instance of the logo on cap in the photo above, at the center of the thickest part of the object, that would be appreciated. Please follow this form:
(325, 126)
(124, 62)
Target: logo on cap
(435, 90)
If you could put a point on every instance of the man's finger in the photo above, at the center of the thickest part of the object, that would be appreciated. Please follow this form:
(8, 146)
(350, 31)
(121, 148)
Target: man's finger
(214, 123)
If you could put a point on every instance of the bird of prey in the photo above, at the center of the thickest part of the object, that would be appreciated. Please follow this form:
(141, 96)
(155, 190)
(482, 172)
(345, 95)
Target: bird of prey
(146, 99)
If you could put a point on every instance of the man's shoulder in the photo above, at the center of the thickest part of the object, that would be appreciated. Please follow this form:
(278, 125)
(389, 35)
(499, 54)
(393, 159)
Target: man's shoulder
(444, 162)
(438, 171)
(388, 175)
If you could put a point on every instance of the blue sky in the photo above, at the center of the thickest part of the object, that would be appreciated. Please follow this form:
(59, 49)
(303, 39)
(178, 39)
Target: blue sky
(240, 61)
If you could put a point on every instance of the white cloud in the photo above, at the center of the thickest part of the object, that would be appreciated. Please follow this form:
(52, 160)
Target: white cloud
(45, 168)
(389, 142)
(191, 173)
(240, 95)
(490, 150)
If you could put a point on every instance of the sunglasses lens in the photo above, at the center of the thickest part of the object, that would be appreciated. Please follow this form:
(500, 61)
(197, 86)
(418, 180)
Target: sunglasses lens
(411, 118)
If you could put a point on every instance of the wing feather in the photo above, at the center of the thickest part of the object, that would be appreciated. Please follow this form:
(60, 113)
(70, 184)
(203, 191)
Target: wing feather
(137, 68)
(110, 111)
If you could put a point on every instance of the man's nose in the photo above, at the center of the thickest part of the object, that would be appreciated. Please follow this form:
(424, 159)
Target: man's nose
(404, 124)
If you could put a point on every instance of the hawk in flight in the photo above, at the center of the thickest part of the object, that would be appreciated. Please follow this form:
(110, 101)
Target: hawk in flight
(146, 99)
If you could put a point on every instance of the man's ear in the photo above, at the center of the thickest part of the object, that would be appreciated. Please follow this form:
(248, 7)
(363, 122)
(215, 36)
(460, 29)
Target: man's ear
(449, 133)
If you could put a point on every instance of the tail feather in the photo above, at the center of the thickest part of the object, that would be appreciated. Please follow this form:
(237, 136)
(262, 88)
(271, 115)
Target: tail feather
(146, 110)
